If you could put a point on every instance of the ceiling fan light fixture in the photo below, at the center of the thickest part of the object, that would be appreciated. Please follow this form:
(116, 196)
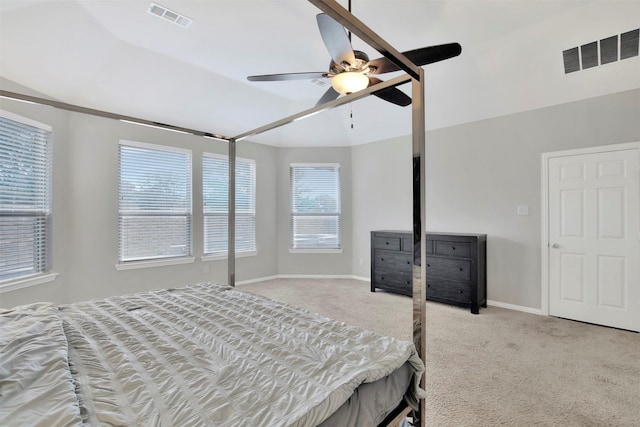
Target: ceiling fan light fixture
(349, 82)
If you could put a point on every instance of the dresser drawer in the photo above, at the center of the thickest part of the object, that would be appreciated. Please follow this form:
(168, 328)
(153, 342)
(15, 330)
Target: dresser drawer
(407, 244)
(453, 249)
(389, 243)
(428, 246)
(390, 280)
(440, 290)
(452, 269)
(395, 261)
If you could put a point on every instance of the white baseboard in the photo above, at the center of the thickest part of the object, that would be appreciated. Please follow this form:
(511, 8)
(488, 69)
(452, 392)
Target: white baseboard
(259, 279)
(303, 276)
(315, 276)
(33, 280)
(515, 307)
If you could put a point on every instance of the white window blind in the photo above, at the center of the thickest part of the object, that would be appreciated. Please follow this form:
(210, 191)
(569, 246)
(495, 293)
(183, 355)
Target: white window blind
(154, 202)
(315, 206)
(215, 187)
(25, 197)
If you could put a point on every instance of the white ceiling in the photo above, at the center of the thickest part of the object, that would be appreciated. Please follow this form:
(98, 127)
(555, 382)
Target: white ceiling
(113, 55)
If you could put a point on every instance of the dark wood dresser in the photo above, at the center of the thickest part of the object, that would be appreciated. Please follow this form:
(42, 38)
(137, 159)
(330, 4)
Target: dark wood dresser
(391, 266)
(456, 266)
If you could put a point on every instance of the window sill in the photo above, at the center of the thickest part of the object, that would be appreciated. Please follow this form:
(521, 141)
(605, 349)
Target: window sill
(221, 257)
(134, 265)
(26, 282)
(315, 251)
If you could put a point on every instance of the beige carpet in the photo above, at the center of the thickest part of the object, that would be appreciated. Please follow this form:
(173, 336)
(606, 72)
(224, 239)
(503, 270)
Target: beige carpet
(501, 367)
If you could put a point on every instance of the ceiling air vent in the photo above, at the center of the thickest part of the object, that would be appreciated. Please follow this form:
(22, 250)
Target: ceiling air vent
(601, 52)
(169, 15)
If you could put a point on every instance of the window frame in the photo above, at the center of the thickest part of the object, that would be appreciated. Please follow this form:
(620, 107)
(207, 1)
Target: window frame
(337, 214)
(42, 261)
(155, 261)
(223, 254)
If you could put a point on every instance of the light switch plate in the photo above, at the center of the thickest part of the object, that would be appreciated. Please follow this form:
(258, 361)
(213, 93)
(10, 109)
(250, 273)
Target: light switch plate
(523, 210)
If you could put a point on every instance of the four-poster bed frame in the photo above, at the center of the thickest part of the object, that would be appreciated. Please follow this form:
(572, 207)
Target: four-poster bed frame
(414, 74)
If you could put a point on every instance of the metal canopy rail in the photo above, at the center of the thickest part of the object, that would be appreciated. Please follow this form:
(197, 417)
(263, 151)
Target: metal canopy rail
(357, 27)
(397, 81)
(100, 113)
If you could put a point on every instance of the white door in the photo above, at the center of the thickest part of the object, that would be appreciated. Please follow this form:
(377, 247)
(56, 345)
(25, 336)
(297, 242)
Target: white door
(594, 238)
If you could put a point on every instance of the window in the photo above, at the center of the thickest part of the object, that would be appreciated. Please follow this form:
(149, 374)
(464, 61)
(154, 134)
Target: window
(215, 188)
(315, 206)
(25, 197)
(154, 202)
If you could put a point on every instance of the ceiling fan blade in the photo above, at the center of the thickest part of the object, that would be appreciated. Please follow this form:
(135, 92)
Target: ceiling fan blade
(329, 95)
(335, 39)
(287, 76)
(421, 56)
(392, 94)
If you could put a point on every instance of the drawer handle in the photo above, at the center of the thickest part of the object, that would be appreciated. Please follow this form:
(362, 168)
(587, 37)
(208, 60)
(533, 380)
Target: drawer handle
(381, 259)
(428, 265)
(459, 291)
(453, 248)
(408, 262)
(460, 268)
(386, 243)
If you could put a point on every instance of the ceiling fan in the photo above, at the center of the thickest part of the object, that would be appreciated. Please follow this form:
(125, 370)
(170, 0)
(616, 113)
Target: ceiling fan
(351, 70)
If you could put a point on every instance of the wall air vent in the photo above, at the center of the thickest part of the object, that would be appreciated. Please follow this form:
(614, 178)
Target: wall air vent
(629, 43)
(169, 15)
(589, 54)
(601, 52)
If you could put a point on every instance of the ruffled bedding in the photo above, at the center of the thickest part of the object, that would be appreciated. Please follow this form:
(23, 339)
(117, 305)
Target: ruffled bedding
(202, 355)
(36, 386)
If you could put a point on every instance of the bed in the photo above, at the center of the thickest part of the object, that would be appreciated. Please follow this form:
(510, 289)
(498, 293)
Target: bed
(205, 354)
(157, 358)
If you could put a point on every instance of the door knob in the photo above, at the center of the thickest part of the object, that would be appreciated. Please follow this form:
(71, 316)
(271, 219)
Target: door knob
(555, 246)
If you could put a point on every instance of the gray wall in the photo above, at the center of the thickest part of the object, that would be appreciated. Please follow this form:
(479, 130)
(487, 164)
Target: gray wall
(85, 210)
(312, 264)
(85, 200)
(382, 195)
(476, 176)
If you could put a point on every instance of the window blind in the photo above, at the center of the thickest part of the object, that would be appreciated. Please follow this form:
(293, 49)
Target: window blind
(215, 188)
(154, 202)
(315, 206)
(25, 197)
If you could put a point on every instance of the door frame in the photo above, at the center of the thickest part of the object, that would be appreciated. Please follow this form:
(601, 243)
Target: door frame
(545, 157)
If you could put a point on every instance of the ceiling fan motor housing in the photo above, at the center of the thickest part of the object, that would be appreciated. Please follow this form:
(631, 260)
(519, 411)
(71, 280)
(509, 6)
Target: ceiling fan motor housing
(360, 64)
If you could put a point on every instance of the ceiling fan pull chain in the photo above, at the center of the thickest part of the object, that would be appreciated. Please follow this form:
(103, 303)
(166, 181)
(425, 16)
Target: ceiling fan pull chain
(351, 114)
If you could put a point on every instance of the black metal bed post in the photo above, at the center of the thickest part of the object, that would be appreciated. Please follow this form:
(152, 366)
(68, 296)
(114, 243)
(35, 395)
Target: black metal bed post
(419, 217)
(351, 23)
(231, 233)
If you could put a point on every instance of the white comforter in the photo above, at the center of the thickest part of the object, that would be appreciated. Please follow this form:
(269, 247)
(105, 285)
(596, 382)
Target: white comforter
(201, 355)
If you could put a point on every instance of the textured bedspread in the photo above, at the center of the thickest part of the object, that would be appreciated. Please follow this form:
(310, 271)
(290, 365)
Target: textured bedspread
(201, 355)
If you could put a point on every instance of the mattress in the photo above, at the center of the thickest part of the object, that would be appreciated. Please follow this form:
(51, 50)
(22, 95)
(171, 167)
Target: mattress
(201, 355)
